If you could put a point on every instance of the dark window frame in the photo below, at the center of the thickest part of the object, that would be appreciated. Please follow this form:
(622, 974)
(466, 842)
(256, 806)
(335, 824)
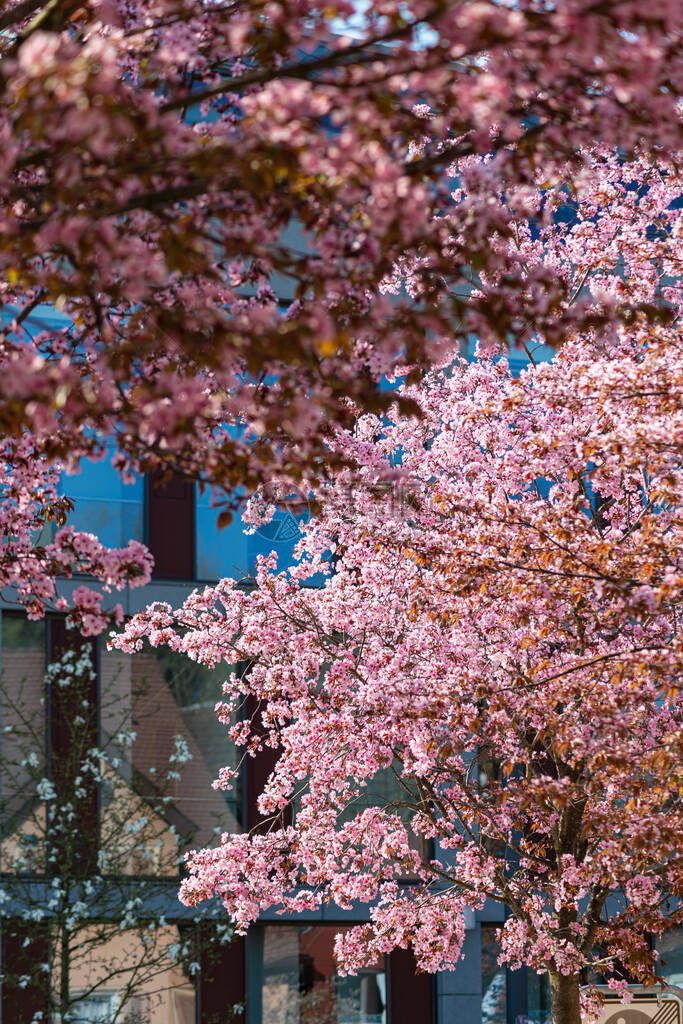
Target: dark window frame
(192, 529)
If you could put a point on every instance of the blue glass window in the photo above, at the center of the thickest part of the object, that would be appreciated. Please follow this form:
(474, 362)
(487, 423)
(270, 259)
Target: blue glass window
(104, 505)
(493, 979)
(219, 553)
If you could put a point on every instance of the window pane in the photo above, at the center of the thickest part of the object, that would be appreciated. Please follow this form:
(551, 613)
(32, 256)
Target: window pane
(538, 997)
(104, 505)
(96, 1009)
(301, 986)
(220, 553)
(232, 553)
(136, 836)
(164, 747)
(493, 981)
(195, 690)
(670, 948)
(281, 535)
(22, 744)
(178, 737)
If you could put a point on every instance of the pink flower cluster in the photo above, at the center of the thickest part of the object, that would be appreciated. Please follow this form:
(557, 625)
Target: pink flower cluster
(168, 171)
(31, 562)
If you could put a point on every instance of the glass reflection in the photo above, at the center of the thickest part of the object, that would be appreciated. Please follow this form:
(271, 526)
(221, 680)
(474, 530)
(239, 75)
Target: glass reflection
(181, 696)
(538, 997)
(104, 504)
(301, 985)
(167, 746)
(493, 979)
(22, 745)
(670, 947)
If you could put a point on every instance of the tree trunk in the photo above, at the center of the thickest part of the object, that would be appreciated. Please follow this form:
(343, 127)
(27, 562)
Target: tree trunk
(564, 998)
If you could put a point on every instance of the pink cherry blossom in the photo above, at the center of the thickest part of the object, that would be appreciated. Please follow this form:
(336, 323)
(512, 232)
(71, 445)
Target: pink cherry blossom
(171, 172)
(498, 631)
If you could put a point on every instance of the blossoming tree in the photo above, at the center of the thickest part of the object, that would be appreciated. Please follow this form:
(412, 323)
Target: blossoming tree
(173, 170)
(217, 196)
(500, 630)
